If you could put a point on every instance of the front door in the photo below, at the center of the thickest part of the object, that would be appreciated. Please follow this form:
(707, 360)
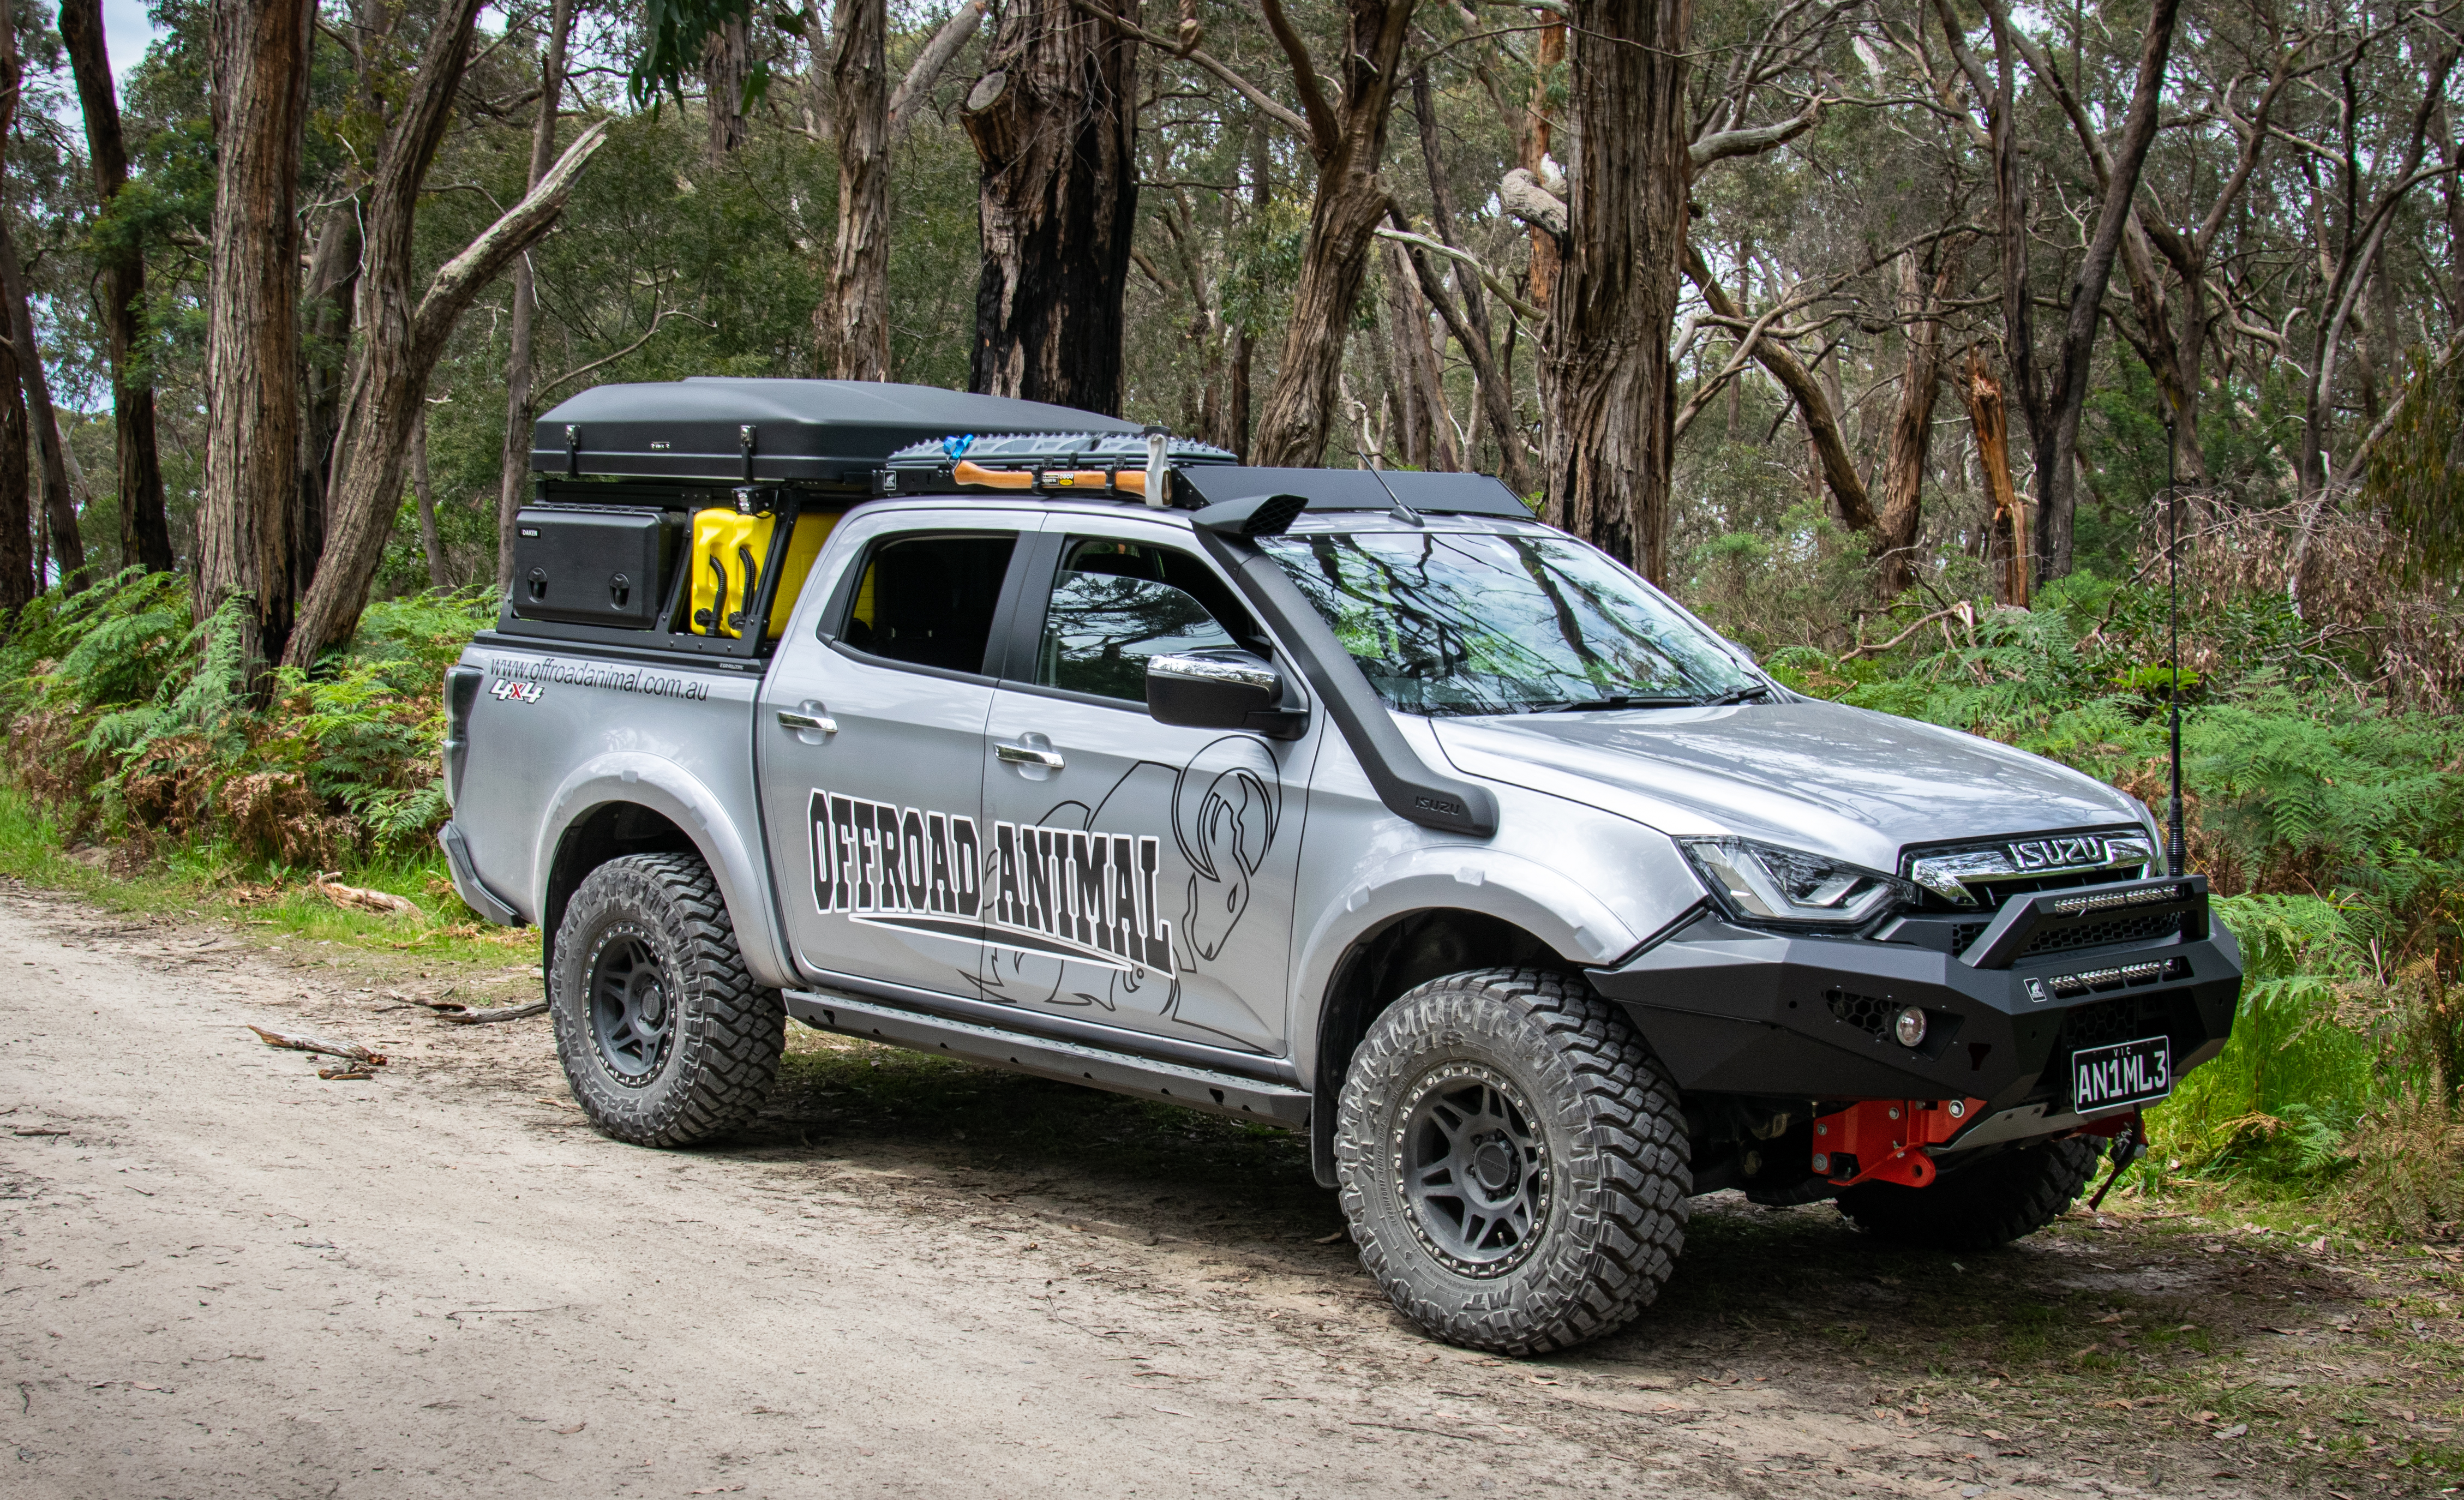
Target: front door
(872, 759)
(1137, 875)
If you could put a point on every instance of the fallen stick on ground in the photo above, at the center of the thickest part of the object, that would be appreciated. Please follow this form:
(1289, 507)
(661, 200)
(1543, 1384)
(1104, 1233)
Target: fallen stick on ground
(473, 1017)
(341, 895)
(341, 1071)
(318, 1043)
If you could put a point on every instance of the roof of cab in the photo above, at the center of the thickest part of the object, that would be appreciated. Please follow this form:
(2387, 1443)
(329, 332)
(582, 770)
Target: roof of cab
(743, 431)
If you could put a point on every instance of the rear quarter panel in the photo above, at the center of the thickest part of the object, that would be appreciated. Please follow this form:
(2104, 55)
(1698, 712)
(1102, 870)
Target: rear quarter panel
(556, 734)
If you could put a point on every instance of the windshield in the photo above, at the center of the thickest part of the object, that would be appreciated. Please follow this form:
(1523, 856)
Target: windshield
(1478, 623)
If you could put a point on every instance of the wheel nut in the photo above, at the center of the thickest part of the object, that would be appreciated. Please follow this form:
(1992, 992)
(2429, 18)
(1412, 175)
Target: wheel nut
(1910, 1027)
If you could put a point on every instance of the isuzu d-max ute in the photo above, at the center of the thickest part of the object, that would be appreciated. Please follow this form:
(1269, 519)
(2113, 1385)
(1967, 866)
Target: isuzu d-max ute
(1358, 802)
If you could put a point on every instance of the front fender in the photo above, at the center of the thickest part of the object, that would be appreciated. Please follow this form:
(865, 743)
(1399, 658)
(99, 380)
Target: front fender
(1543, 902)
(676, 794)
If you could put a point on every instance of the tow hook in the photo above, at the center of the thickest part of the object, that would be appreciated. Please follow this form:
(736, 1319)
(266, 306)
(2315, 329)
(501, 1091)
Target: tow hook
(1884, 1141)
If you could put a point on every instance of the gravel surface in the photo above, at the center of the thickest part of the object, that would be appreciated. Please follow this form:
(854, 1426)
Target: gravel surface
(222, 1275)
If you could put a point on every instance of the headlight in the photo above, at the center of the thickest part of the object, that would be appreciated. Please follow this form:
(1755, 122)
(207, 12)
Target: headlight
(1762, 883)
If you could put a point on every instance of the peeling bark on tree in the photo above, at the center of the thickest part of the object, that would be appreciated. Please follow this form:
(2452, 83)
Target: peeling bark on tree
(1988, 415)
(521, 410)
(258, 52)
(1903, 463)
(852, 329)
(144, 532)
(1610, 391)
(1054, 123)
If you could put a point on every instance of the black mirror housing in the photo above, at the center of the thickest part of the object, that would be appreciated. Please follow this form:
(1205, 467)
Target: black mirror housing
(1222, 690)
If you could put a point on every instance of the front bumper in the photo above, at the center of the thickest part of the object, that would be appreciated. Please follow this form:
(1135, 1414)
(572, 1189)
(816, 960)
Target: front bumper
(1731, 1010)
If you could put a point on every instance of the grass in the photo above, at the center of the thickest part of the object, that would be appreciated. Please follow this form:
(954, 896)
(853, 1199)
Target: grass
(189, 882)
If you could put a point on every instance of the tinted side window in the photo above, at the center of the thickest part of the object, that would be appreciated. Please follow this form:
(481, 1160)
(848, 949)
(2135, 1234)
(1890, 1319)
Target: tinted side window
(1116, 603)
(930, 600)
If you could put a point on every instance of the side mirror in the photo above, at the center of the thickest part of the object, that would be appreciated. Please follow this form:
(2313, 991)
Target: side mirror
(1227, 690)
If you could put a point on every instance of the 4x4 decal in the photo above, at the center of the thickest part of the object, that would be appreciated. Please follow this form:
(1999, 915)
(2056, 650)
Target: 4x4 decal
(1075, 893)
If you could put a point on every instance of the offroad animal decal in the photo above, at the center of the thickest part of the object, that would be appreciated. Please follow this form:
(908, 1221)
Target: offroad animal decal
(1084, 906)
(1078, 894)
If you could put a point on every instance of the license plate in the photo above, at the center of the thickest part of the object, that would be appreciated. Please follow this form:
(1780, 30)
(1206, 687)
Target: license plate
(2121, 1075)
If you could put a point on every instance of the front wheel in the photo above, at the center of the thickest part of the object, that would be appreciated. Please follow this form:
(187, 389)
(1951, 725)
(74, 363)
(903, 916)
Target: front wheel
(664, 1036)
(1978, 1208)
(1513, 1161)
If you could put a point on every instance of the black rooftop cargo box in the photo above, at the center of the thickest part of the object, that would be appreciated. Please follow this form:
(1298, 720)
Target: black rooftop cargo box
(742, 431)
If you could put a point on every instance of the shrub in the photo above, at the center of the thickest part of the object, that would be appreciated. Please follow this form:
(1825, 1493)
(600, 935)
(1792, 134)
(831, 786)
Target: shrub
(129, 721)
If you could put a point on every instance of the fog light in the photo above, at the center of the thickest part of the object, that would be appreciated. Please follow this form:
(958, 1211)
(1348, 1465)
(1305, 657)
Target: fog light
(1910, 1027)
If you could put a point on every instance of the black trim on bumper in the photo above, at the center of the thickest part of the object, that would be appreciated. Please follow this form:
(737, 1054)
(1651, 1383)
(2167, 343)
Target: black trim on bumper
(1731, 1010)
(474, 892)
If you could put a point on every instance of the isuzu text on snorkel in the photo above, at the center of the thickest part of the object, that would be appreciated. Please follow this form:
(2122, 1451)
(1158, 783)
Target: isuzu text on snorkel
(1359, 804)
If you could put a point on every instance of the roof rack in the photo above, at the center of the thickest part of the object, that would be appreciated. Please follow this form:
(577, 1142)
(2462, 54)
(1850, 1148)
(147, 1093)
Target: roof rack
(1049, 463)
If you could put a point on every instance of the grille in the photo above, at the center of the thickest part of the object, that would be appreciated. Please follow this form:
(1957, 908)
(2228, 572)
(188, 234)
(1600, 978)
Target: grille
(2142, 927)
(1991, 891)
(1867, 1013)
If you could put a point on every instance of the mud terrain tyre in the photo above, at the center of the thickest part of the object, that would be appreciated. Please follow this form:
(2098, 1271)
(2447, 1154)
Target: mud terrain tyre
(1513, 1160)
(1999, 1200)
(664, 1037)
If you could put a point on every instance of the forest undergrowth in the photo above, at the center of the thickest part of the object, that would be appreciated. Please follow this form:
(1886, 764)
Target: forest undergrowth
(2330, 821)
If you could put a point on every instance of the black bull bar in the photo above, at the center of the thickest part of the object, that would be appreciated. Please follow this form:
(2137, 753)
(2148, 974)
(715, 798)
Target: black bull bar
(1732, 1011)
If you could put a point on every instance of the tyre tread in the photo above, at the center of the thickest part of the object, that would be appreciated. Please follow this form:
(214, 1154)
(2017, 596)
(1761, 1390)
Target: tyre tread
(1626, 1224)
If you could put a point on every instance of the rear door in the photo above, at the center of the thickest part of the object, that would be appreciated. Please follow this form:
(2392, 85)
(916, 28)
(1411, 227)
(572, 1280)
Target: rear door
(1137, 875)
(870, 730)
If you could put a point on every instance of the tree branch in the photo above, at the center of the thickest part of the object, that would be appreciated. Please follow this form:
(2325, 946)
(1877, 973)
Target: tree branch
(1325, 127)
(460, 280)
(1263, 102)
(913, 89)
(1753, 140)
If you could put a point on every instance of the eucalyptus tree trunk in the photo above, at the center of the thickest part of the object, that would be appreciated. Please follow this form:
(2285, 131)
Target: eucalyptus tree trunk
(145, 533)
(1609, 385)
(59, 502)
(519, 409)
(1988, 416)
(1903, 461)
(405, 329)
(852, 327)
(1347, 138)
(18, 581)
(1054, 121)
(327, 305)
(259, 53)
(726, 62)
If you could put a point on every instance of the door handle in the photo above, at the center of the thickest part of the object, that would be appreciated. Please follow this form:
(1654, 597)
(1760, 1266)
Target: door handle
(817, 723)
(1026, 755)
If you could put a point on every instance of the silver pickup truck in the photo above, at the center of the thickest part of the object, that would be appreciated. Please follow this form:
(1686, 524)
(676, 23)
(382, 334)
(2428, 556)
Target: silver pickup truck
(1361, 804)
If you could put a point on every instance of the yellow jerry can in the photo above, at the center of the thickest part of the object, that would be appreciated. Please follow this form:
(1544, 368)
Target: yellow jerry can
(730, 550)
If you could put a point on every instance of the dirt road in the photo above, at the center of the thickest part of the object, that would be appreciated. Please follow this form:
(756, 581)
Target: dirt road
(220, 1275)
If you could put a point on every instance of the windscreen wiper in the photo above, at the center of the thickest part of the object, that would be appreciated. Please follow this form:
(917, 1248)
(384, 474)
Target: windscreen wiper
(1593, 705)
(1751, 691)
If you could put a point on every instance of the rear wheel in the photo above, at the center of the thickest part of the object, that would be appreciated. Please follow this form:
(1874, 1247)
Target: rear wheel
(1999, 1200)
(664, 1037)
(1513, 1160)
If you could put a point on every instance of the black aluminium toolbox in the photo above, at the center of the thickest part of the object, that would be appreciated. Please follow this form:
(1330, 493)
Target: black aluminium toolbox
(593, 564)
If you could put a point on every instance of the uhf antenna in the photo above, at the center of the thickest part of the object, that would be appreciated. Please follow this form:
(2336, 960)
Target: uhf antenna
(2173, 852)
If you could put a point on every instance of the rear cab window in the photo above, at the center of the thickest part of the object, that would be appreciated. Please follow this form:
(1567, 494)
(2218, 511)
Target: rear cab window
(930, 600)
